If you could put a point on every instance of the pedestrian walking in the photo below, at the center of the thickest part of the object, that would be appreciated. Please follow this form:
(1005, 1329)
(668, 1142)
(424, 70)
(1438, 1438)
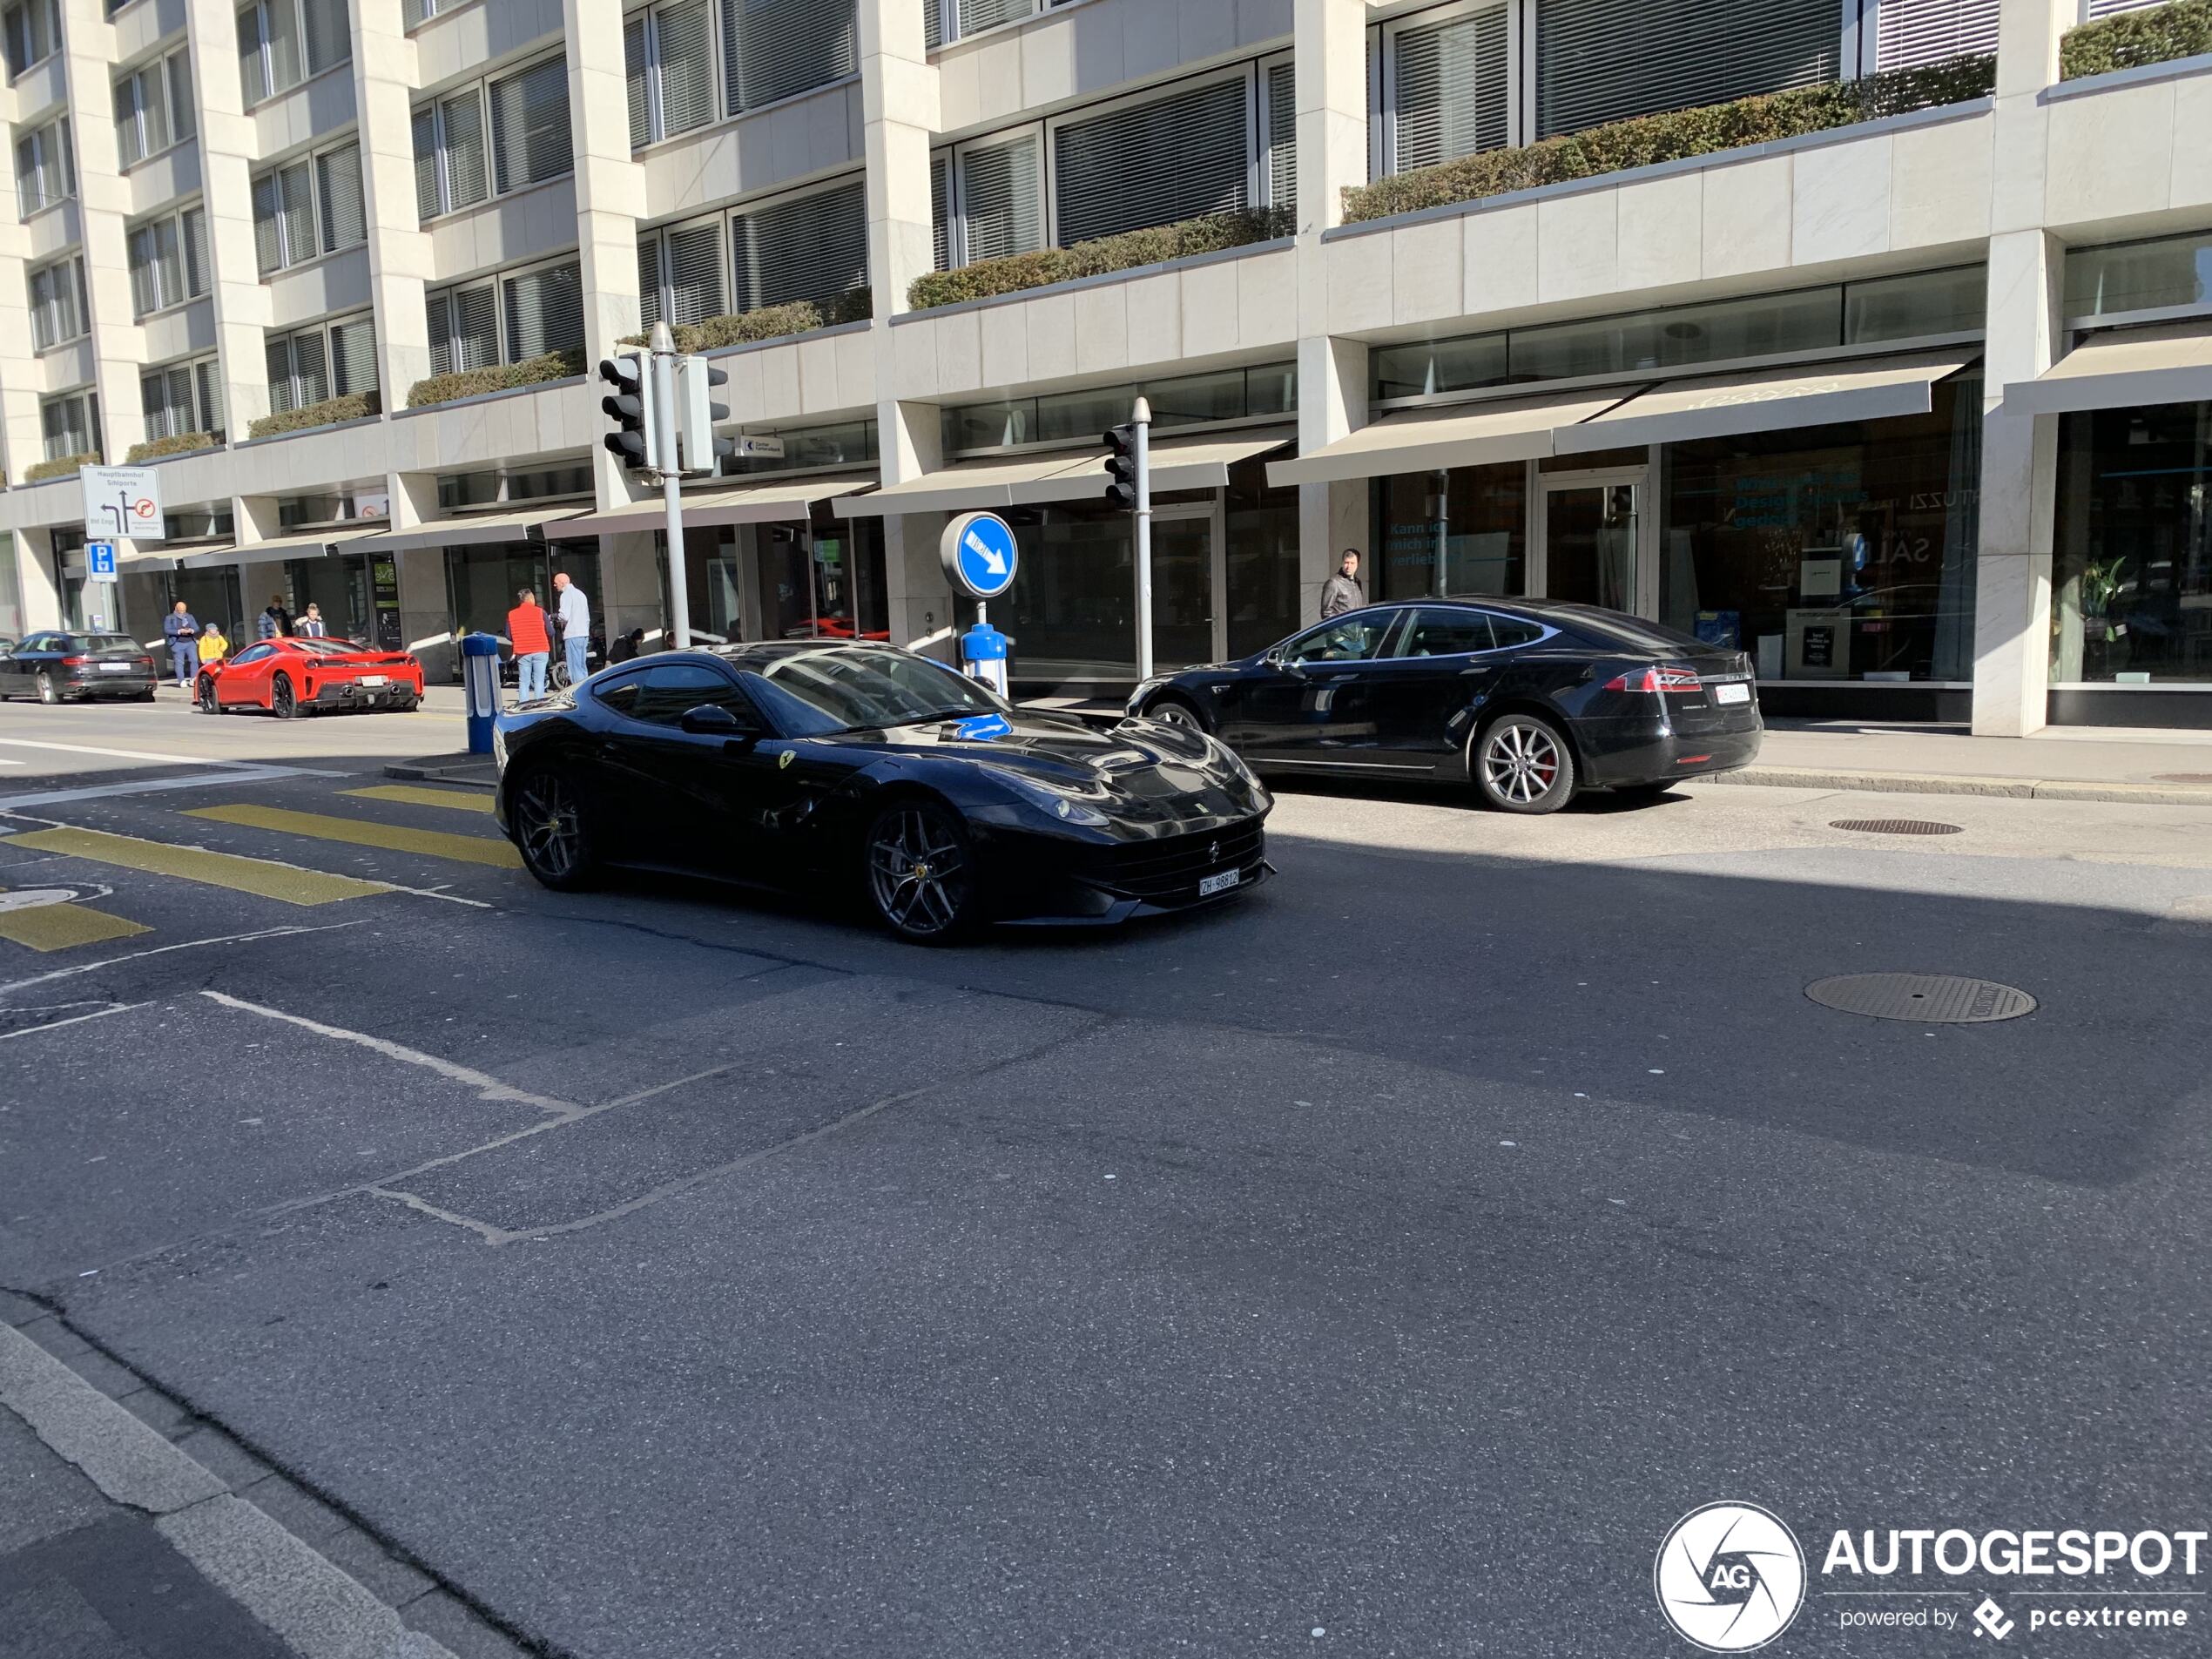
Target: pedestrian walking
(276, 621)
(575, 614)
(213, 647)
(312, 626)
(181, 628)
(1342, 591)
(528, 632)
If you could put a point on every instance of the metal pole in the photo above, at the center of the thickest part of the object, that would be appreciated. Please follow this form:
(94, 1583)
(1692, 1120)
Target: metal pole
(1141, 418)
(671, 482)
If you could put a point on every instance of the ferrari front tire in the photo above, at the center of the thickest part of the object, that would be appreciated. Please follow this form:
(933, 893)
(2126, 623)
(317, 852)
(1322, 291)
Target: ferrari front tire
(204, 696)
(551, 828)
(919, 875)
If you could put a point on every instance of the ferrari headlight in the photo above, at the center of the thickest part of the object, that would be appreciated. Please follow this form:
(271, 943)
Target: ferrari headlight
(1066, 805)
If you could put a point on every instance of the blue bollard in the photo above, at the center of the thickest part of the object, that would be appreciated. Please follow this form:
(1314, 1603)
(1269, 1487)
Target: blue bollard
(480, 679)
(982, 656)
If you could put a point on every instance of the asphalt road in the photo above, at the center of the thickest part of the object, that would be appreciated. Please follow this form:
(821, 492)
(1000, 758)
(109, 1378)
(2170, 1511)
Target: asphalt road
(1379, 1266)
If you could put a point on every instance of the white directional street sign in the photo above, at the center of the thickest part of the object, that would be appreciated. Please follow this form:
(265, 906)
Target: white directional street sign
(121, 503)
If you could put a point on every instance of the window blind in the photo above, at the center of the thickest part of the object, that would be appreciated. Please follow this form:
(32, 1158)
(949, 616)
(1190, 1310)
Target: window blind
(330, 38)
(529, 125)
(941, 222)
(199, 274)
(1605, 60)
(253, 69)
(649, 279)
(1911, 33)
(771, 48)
(68, 428)
(1282, 135)
(464, 330)
(338, 184)
(144, 293)
(1173, 158)
(268, 238)
(168, 263)
(982, 14)
(634, 69)
(280, 23)
(181, 123)
(352, 357)
(296, 211)
(413, 12)
(156, 399)
(2106, 8)
(1452, 86)
(130, 144)
(426, 163)
(207, 377)
(684, 41)
(461, 120)
(545, 311)
(695, 273)
(809, 247)
(932, 29)
(1001, 198)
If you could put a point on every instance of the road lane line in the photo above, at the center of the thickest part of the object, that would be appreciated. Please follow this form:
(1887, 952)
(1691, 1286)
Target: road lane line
(63, 927)
(265, 878)
(117, 754)
(461, 800)
(487, 1086)
(74, 1019)
(47, 978)
(354, 831)
(156, 785)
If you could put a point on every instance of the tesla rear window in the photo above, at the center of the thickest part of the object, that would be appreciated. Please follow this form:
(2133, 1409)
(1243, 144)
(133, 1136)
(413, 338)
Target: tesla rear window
(1631, 631)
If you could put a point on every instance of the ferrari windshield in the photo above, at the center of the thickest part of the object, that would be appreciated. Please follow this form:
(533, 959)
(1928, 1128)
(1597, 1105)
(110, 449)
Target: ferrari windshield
(852, 688)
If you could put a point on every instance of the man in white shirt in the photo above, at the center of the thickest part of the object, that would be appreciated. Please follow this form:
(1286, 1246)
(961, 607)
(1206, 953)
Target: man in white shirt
(574, 611)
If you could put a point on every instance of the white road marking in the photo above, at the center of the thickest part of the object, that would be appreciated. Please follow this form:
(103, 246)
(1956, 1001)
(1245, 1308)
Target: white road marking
(117, 754)
(163, 950)
(234, 773)
(487, 1087)
(79, 1019)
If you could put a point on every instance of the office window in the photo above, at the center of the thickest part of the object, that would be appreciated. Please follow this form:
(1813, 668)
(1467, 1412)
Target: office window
(1002, 197)
(66, 425)
(941, 210)
(1278, 85)
(1154, 162)
(1606, 60)
(308, 207)
(153, 107)
(1911, 33)
(58, 308)
(450, 155)
(465, 328)
(169, 261)
(352, 356)
(668, 54)
(529, 125)
(542, 310)
(1446, 87)
(415, 11)
(803, 247)
(683, 283)
(182, 397)
(32, 30)
(773, 49)
(329, 360)
(942, 20)
(281, 43)
(45, 170)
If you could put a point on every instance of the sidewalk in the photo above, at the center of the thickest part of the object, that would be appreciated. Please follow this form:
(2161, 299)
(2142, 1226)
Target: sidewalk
(2059, 763)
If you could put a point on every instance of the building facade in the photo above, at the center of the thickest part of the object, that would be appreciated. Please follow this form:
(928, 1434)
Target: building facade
(1878, 344)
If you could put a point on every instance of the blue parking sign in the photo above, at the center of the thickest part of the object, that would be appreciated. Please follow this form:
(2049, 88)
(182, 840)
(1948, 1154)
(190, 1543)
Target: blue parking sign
(99, 560)
(979, 555)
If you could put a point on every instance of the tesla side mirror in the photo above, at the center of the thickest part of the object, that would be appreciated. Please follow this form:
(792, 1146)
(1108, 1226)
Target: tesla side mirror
(710, 720)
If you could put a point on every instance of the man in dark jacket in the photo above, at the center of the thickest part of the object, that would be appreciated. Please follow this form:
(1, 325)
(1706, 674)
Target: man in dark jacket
(276, 621)
(1342, 591)
(181, 628)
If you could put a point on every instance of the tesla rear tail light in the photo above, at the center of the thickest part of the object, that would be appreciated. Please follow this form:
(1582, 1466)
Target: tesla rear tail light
(1671, 678)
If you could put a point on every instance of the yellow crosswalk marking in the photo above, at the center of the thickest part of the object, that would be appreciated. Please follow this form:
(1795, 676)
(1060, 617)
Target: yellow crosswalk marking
(437, 844)
(259, 876)
(57, 927)
(461, 800)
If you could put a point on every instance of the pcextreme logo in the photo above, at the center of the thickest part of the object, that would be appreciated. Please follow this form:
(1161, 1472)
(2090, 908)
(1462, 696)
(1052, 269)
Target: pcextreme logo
(1729, 1577)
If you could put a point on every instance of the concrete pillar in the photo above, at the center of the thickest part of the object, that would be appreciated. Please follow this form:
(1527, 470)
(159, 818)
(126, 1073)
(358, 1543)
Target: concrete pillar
(609, 189)
(899, 113)
(227, 143)
(21, 439)
(399, 251)
(104, 199)
(42, 592)
(919, 600)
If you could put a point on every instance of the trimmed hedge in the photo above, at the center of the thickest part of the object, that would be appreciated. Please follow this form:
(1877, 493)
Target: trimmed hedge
(2156, 34)
(766, 322)
(61, 467)
(1675, 136)
(498, 377)
(179, 443)
(353, 405)
(1098, 257)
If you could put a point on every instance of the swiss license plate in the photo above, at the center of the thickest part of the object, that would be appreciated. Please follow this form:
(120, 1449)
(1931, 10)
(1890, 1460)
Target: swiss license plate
(1732, 692)
(115, 668)
(1221, 883)
(376, 679)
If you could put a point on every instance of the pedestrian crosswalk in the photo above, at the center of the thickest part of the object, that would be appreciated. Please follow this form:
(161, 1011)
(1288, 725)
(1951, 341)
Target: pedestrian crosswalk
(355, 832)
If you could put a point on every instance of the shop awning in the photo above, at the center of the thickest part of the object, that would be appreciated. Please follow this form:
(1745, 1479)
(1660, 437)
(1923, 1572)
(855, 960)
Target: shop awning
(1722, 406)
(2122, 369)
(145, 563)
(1174, 463)
(527, 524)
(308, 545)
(763, 504)
(1465, 434)
(968, 487)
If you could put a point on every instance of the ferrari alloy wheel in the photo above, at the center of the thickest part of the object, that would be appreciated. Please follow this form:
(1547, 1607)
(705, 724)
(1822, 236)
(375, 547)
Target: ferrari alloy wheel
(919, 873)
(1522, 765)
(282, 702)
(48, 691)
(204, 694)
(549, 827)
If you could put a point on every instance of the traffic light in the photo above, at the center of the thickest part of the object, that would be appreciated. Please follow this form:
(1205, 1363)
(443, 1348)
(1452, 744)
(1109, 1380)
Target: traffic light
(630, 406)
(696, 412)
(1121, 466)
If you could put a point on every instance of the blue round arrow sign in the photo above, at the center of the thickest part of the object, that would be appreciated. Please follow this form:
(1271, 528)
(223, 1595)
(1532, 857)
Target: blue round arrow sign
(980, 553)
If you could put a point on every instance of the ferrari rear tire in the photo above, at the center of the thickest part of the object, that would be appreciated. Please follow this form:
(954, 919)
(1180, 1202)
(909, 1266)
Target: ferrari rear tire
(284, 702)
(204, 696)
(919, 872)
(552, 830)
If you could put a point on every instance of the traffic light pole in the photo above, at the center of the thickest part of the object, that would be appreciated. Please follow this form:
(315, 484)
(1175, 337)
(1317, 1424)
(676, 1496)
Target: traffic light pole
(1141, 419)
(663, 392)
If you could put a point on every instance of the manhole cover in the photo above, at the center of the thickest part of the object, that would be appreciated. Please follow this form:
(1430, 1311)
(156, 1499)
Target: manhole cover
(1935, 999)
(35, 897)
(1896, 827)
(2182, 777)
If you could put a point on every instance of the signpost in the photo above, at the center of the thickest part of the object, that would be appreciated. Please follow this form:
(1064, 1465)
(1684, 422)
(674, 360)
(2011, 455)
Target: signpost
(979, 557)
(99, 561)
(123, 503)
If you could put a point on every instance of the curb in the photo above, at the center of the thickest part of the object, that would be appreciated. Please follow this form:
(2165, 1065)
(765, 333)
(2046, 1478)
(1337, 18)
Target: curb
(1923, 783)
(472, 772)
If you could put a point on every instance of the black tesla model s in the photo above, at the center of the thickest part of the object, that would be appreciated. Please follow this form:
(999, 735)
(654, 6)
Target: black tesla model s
(1530, 699)
(858, 768)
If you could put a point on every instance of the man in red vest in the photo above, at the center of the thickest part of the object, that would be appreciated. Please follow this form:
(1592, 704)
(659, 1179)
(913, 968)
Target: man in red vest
(533, 645)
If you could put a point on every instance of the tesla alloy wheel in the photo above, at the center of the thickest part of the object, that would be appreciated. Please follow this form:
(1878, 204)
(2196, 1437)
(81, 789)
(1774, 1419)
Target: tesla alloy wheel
(920, 877)
(1522, 765)
(1173, 710)
(551, 831)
